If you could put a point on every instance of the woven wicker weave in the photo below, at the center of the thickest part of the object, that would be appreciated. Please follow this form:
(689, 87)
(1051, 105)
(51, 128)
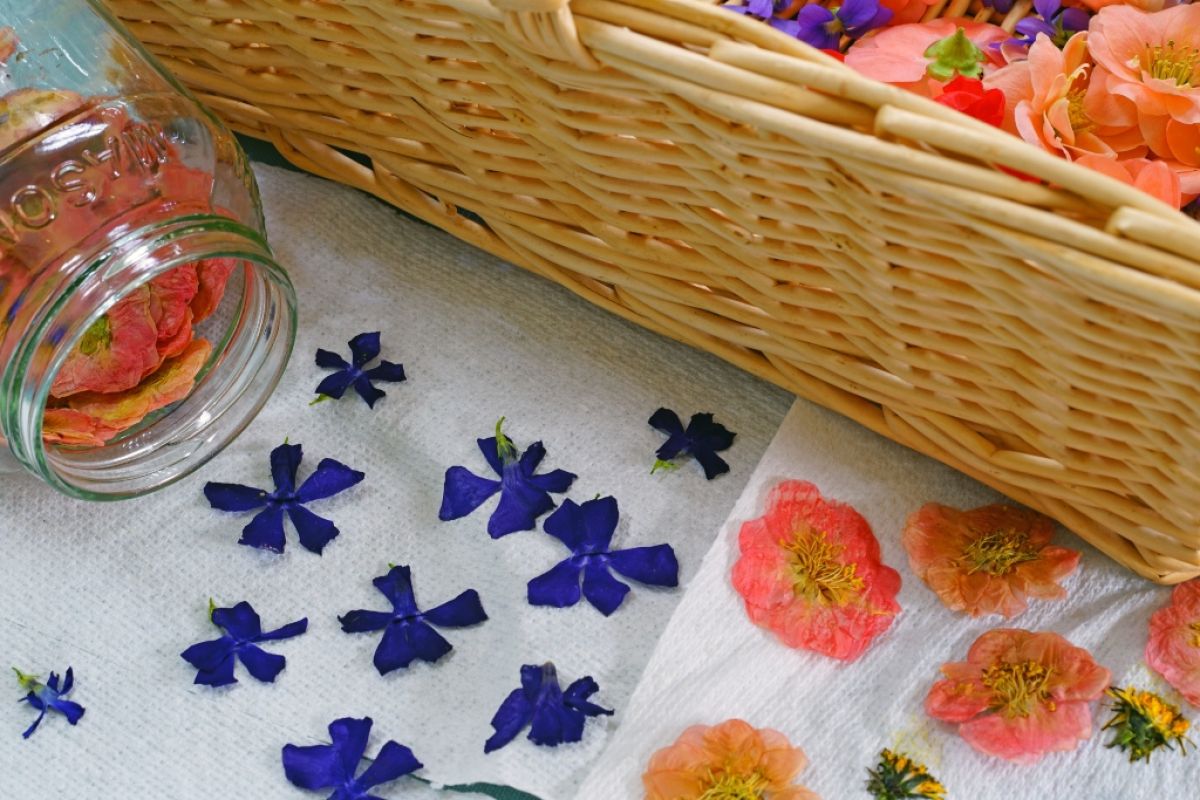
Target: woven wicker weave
(716, 181)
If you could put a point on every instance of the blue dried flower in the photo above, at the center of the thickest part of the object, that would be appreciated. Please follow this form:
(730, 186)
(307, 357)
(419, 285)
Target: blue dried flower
(266, 529)
(524, 496)
(408, 632)
(332, 766)
(588, 530)
(49, 696)
(702, 439)
(214, 660)
(363, 348)
(553, 716)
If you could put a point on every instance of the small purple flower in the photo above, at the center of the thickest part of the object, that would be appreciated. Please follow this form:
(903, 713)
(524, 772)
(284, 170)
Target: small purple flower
(524, 495)
(214, 660)
(408, 632)
(824, 28)
(1059, 23)
(332, 766)
(363, 348)
(763, 9)
(49, 696)
(703, 439)
(1003, 6)
(266, 529)
(588, 530)
(553, 716)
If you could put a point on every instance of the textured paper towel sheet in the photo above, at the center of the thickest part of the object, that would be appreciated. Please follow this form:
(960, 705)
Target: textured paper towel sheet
(713, 664)
(118, 590)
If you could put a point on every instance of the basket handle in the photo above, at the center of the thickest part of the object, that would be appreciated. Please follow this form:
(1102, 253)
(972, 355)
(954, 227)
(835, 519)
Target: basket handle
(546, 27)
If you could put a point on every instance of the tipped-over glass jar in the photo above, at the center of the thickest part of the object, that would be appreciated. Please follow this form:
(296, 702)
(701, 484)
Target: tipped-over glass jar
(143, 320)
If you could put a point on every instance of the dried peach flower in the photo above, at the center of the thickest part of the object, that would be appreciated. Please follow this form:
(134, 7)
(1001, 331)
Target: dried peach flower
(987, 560)
(730, 761)
(1173, 649)
(810, 571)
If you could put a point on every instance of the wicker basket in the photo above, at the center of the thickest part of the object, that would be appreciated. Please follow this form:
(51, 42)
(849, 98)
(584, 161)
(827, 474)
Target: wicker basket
(719, 182)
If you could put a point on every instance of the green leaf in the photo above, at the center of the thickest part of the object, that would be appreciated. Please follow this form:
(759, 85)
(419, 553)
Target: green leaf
(493, 790)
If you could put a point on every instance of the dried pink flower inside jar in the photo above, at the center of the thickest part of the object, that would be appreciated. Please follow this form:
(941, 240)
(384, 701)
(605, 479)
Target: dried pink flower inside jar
(143, 319)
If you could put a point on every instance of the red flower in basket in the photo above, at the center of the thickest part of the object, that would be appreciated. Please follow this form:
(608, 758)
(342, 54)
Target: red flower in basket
(987, 560)
(1020, 695)
(1174, 646)
(810, 572)
(969, 96)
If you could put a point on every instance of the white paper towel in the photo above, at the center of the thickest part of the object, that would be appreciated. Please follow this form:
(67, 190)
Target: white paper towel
(119, 590)
(712, 663)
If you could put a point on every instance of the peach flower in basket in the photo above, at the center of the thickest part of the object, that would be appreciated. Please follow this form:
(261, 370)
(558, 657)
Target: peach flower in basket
(730, 760)
(987, 560)
(923, 57)
(1045, 97)
(1020, 695)
(1174, 646)
(810, 572)
(1146, 86)
(1153, 177)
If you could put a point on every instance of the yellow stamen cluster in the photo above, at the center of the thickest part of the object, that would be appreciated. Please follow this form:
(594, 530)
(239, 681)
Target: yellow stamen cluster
(1195, 629)
(1171, 62)
(897, 776)
(1143, 722)
(817, 571)
(727, 786)
(1080, 121)
(1017, 688)
(999, 552)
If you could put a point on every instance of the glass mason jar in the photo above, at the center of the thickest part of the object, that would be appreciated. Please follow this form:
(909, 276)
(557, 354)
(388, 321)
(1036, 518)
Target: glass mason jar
(143, 319)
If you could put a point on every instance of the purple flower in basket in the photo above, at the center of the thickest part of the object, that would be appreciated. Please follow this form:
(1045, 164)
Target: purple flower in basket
(824, 28)
(1003, 6)
(1059, 23)
(765, 10)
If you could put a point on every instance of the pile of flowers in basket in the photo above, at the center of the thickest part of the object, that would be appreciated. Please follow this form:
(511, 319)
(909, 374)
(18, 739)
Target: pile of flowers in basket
(1112, 86)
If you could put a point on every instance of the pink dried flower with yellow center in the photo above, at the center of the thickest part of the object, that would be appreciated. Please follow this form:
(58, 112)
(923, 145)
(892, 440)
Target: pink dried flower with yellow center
(810, 571)
(729, 761)
(1173, 649)
(988, 560)
(1019, 694)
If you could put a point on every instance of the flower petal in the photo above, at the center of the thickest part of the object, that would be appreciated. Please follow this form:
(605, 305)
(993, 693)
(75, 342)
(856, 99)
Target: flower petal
(285, 461)
(364, 347)
(1026, 739)
(463, 492)
(514, 714)
(314, 531)
(262, 665)
(220, 674)
(553, 723)
(330, 478)
(69, 709)
(712, 463)
(330, 360)
(265, 531)
(464, 610)
(599, 519)
(367, 391)
(349, 737)
(655, 565)
(558, 588)
(577, 694)
(286, 632)
(207, 656)
(314, 767)
(362, 620)
(212, 274)
(393, 761)
(386, 371)
(234, 497)
(666, 421)
(601, 589)
(397, 587)
(336, 384)
(556, 481)
(115, 353)
(567, 525)
(241, 621)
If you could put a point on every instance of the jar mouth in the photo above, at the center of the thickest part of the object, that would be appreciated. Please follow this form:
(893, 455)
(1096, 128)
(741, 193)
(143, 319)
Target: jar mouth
(251, 341)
